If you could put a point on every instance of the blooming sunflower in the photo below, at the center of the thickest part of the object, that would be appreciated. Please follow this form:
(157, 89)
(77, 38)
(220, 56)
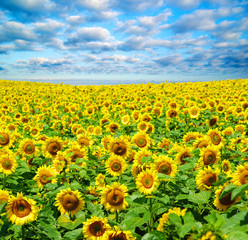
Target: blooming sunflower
(125, 120)
(51, 146)
(142, 126)
(226, 167)
(183, 153)
(141, 140)
(194, 112)
(113, 126)
(100, 181)
(69, 202)
(216, 138)
(165, 217)
(6, 139)
(117, 234)
(209, 155)
(166, 165)
(84, 140)
(75, 151)
(113, 197)
(4, 196)
(147, 181)
(43, 174)
(225, 202)
(171, 113)
(213, 121)
(27, 147)
(201, 142)
(206, 177)
(21, 210)
(120, 146)
(190, 136)
(140, 155)
(106, 141)
(95, 228)
(115, 165)
(8, 163)
(240, 175)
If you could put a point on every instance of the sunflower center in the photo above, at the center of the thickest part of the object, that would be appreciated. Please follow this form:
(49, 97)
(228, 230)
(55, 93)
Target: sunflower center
(76, 155)
(141, 142)
(119, 148)
(53, 148)
(115, 197)
(7, 164)
(97, 228)
(212, 122)
(4, 139)
(226, 200)
(29, 148)
(210, 179)
(113, 128)
(183, 156)
(116, 166)
(120, 236)
(209, 157)
(172, 114)
(70, 202)
(147, 181)
(44, 179)
(216, 139)
(225, 167)
(164, 168)
(21, 208)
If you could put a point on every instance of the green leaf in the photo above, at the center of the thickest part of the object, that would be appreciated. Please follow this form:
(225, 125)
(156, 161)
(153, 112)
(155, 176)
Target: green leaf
(175, 219)
(2, 207)
(50, 230)
(200, 198)
(237, 235)
(75, 234)
(238, 191)
(182, 196)
(165, 199)
(186, 167)
(154, 235)
(227, 190)
(65, 222)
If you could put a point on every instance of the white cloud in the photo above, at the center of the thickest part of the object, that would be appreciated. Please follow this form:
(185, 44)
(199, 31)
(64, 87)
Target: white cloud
(184, 4)
(94, 4)
(49, 26)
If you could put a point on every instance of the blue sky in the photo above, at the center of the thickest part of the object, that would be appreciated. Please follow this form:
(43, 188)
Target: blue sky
(132, 41)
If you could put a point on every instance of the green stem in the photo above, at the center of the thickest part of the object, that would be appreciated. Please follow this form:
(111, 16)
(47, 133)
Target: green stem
(117, 216)
(4, 180)
(23, 232)
(150, 223)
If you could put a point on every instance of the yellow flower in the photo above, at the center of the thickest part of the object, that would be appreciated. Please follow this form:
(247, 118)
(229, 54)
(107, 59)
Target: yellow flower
(95, 228)
(206, 177)
(184, 152)
(120, 146)
(226, 167)
(113, 197)
(27, 147)
(117, 234)
(4, 196)
(216, 138)
(165, 144)
(51, 146)
(8, 163)
(141, 140)
(194, 112)
(166, 165)
(201, 142)
(6, 139)
(147, 181)
(240, 175)
(21, 210)
(100, 181)
(69, 202)
(209, 155)
(43, 175)
(115, 165)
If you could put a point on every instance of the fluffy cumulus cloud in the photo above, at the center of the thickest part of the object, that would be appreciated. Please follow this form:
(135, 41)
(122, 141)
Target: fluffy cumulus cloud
(139, 37)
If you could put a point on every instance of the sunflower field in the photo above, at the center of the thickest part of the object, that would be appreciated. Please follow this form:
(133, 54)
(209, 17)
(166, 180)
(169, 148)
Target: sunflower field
(124, 162)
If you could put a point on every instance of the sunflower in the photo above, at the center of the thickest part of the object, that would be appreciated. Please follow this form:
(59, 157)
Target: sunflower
(113, 126)
(115, 165)
(106, 141)
(184, 152)
(69, 202)
(51, 146)
(138, 158)
(240, 175)
(95, 228)
(8, 163)
(166, 165)
(209, 155)
(142, 126)
(194, 112)
(225, 202)
(4, 196)
(100, 181)
(201, 142)
(84, 140)
(171, 113)
(21, 210)
(43, 175)
(120, 146)
(147, 181)
(216, 138)
(125, 120)
(213, 121)
(226, 167)
(27, 147)
(141, 140)
(113, 197)
(74, 152)
(209, 235)
(58, 166)
(165, 144)
(117, 234)
(190, 136)
(165, 217)
(6, 139)
(206, 177)
(92, 191)
(135, 115)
